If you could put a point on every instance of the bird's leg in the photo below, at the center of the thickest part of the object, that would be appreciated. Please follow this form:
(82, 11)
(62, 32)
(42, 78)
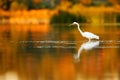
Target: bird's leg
(89, 40)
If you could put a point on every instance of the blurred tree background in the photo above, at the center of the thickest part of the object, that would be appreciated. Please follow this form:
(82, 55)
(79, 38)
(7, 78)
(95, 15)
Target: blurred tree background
(51, 4)
(66, 11)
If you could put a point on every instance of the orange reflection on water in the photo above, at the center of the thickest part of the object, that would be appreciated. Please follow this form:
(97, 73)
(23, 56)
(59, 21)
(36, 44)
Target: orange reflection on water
(21, 60)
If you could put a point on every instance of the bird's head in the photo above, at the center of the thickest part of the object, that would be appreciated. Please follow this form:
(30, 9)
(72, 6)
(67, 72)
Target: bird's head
(74, 23)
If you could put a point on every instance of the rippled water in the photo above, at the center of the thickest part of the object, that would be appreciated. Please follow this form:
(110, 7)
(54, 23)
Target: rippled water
(48, 52)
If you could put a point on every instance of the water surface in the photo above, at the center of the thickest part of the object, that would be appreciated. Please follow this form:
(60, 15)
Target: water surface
(58, 52)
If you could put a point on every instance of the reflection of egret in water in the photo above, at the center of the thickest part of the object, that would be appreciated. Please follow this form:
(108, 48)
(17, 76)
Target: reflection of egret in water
(87, 46)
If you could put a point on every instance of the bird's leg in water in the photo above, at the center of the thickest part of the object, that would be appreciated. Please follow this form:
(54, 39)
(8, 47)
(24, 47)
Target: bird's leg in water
(89, 40)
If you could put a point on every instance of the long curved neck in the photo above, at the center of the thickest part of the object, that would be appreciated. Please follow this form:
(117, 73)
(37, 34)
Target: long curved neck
(80, 29)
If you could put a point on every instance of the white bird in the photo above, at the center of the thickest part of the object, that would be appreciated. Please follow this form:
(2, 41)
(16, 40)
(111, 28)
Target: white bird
(88, 35)
(86, 46)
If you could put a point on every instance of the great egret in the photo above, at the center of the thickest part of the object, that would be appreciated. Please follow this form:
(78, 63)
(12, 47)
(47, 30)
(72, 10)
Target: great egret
(86, 46)
(88, 35)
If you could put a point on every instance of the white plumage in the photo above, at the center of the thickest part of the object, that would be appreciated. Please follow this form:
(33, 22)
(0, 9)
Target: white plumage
(87, 35)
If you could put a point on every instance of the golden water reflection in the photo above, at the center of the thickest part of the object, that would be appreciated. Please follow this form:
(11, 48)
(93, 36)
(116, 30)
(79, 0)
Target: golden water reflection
(43, 52)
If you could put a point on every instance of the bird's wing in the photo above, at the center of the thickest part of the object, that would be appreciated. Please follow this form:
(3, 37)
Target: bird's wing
(89, 34)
